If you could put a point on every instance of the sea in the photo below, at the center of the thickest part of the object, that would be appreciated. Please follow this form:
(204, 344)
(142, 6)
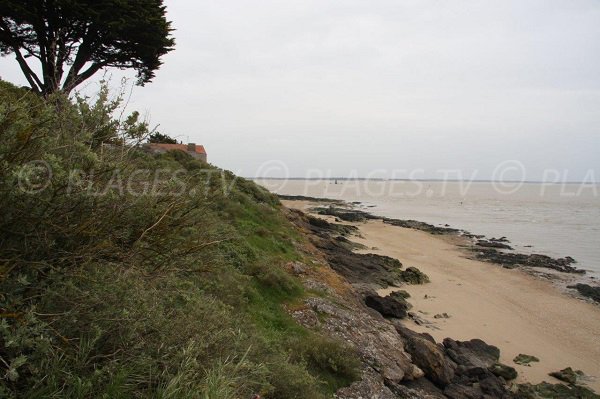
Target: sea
(555, 219)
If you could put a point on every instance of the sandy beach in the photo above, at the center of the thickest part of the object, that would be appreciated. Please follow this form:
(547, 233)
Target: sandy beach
(511, 309)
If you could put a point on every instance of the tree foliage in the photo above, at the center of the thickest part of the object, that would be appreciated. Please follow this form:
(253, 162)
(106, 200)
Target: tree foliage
(158, 137)
(74, 39)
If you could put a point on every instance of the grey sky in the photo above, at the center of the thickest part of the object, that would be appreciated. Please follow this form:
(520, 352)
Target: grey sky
(351, 85)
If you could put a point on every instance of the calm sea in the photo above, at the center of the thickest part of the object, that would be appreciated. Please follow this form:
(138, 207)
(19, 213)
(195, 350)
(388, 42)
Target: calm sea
(553, 219)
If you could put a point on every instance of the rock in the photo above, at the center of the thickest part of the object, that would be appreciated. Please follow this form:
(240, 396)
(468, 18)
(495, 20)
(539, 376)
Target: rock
(545, 390)
(415, 224)
(346, 214)
(371, 385)
(420, 388)
(388, 306)
(525, 360)
(418, 319)
(587, 291)
(401, 294)
(471, 354)
(441, 316)
(504, 371)
(510, 260)
(412, 275)
(428, 356)
(297, 268)
(493, 244)
(456, 391)
(567, 375)
(375, 339)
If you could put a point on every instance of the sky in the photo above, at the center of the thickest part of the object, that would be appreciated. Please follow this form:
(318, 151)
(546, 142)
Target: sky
(382, 88)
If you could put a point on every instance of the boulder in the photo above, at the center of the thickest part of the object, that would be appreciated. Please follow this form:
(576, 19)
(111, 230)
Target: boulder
(387, 306)
(567, 375)
(428, 356)
(587, 291)
(456, 391)
(412, 275)
(400, 294)
(555, 391)
(471, 354)
(504, 371)
(525, 360)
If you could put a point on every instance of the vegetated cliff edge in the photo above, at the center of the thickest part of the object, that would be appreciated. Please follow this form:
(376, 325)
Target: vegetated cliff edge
(127, 274)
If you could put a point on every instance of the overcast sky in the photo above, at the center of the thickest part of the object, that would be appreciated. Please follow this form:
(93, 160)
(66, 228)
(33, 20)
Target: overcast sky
(349, 87)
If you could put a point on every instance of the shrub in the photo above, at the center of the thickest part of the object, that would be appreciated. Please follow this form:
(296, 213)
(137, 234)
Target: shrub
(109, 292)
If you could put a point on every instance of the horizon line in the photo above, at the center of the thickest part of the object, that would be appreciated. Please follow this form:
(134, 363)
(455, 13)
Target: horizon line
(423, 180)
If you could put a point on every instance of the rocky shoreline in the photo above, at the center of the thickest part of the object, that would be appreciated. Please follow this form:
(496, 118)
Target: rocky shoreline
(398, 362)
(493, 250)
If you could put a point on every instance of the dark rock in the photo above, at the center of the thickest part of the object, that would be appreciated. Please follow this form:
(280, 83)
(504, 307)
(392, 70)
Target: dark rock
(356, 268)
(415, 224)
(525, 360)
(504, 371)
(412, 275)
(424, 386)
(534, 260)
(387, 306)
(492, 244)
(567, 375)
(401, 294)
(415, 389)
(455, 391)
(471, 354)
(348, 215)
(305, 198)
(546, 390)
(493, 387)
(587, 291)
(428, 356)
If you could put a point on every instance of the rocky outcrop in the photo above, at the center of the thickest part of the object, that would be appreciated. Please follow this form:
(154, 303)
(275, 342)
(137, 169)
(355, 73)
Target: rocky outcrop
(493, 244)
(357, 268)
(428, 356)
(567, 375)
(376, 340)
(511, 260)
(472, 354)
(504, 371)
(546, 390)
(587, 291)
(415, 224)
(388, 306)
(345, 214)
(525, 360)
(412, 275)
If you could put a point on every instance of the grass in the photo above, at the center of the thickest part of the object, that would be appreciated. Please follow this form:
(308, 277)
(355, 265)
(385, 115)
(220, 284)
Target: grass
(110, 294)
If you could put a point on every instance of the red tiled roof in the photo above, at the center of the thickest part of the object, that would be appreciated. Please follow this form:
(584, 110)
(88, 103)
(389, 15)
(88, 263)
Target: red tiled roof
(182, 147)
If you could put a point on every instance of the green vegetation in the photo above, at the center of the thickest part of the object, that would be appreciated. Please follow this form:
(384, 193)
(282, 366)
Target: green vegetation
(125, 274)
(73, 40)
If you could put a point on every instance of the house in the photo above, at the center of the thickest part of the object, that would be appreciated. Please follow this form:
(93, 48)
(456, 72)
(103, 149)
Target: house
(195, 150)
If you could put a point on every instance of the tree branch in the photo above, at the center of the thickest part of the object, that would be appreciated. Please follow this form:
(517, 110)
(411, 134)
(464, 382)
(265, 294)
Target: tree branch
(71, 83)
(31, 77)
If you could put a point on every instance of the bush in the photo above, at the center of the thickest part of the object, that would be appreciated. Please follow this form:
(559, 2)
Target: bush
(134, 292)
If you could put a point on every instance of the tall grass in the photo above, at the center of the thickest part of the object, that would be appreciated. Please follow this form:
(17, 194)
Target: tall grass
(106, 292)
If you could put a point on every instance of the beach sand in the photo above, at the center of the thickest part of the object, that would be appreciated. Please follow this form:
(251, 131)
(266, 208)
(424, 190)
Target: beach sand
(511, 309)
